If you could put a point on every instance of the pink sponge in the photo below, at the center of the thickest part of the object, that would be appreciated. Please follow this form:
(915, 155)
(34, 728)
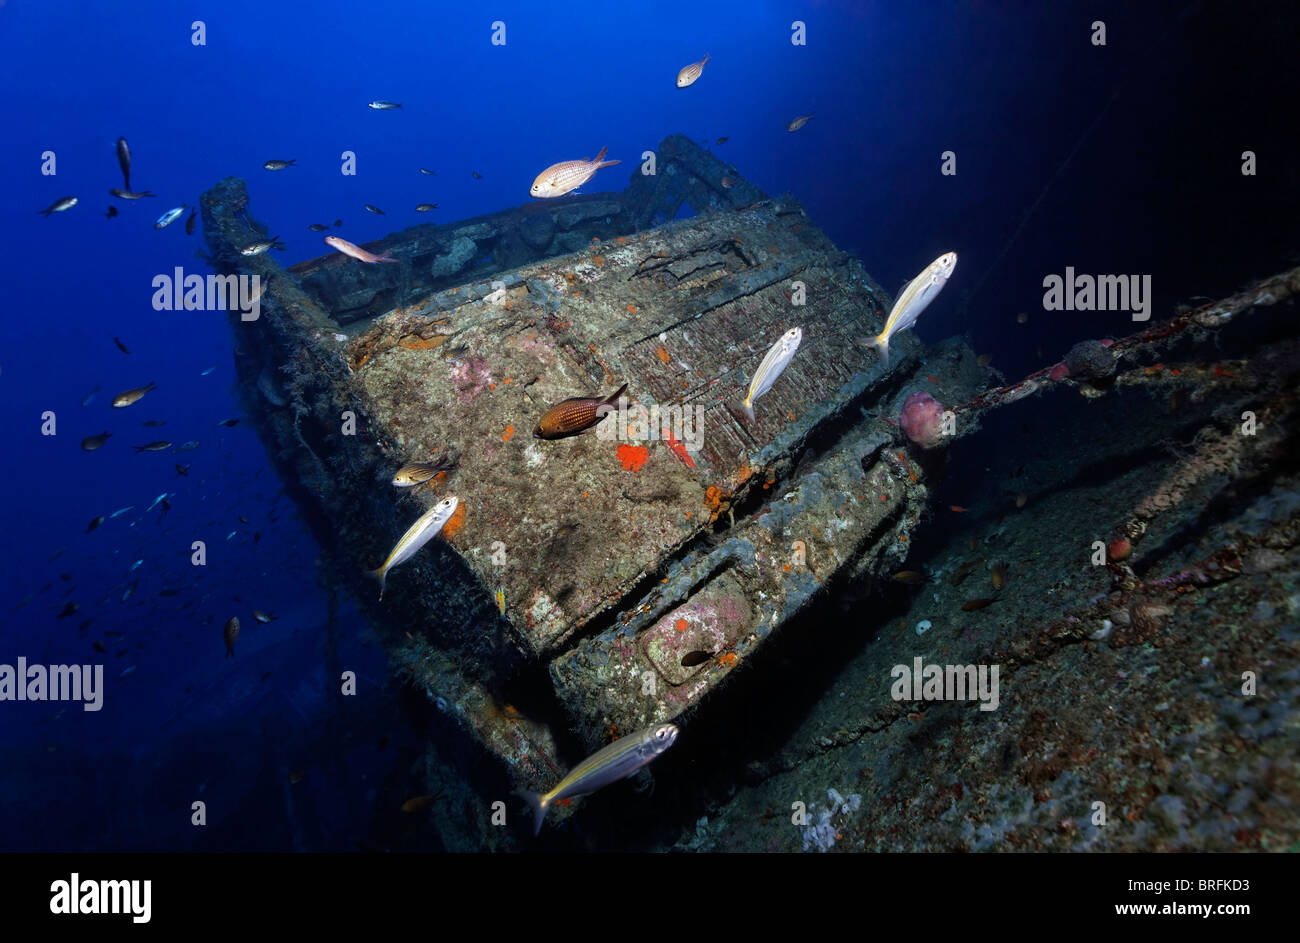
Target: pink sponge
(922, 419)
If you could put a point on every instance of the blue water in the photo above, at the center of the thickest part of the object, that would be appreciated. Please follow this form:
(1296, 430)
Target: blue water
(1122, 158)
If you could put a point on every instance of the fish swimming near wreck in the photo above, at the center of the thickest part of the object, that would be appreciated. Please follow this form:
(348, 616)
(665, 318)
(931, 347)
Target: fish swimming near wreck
(166, 219)
(617, 761)
(567, 176)
(262, 245)
(416, 536)
(60, 205)
(690, 73)
(576, 415)
(772, 366)
(919, 292)
(122, 400)
(417, 473)
(355, 251)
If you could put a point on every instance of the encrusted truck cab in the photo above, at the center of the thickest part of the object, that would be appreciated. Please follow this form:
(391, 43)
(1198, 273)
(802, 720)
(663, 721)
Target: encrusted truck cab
(625, 572)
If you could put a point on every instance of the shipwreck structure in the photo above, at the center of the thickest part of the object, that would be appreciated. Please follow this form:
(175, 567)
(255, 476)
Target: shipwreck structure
(591, 586)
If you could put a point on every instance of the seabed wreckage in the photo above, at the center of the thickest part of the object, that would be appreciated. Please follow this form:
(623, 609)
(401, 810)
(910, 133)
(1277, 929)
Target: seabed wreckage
(623, 575)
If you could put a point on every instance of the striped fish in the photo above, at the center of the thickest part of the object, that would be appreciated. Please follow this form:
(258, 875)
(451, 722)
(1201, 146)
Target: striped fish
(617, 761)
(919, 292)
(692, 72)
(416, 473)
(567, 176)
(419, 534)
(773, 365)
(576, 415)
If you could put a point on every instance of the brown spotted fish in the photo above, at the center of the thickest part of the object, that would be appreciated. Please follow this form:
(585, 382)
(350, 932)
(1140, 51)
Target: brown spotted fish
(576, 415)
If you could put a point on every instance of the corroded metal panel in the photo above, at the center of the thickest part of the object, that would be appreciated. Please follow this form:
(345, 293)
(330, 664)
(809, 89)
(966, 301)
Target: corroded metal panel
(632, 567)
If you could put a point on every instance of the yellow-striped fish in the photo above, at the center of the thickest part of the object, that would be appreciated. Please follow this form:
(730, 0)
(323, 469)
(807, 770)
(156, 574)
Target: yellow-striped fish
(416, 473)
(501, 599)
(692, 72)
(567, 176)
(919, 292)
(773, 365)
(620, 759)
(419, 534)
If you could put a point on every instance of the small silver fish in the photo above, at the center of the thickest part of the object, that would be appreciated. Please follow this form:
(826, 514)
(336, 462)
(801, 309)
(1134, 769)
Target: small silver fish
(773, 365)
(59, 205)
(166, 219)
(122, 400)
(383, 106)
(119, 513)
(318, 227)
(919, 292)
(617, 761)
(374, 209)
(162, 445)
(416, 536)
(567, 176)
(425, 207)
(129, 591)
(92, 442)
(157, 501)
(128, 195)
(690, 73)
(85, 400)
(188, 446)
(261, 245)
(278, 164)
(207, 371)
(798, 123)
(431, 173)
(263, 617)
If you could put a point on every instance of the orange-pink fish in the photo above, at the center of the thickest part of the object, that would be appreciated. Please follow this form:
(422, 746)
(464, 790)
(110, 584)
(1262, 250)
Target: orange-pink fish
(356, 252)
(567, 176)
